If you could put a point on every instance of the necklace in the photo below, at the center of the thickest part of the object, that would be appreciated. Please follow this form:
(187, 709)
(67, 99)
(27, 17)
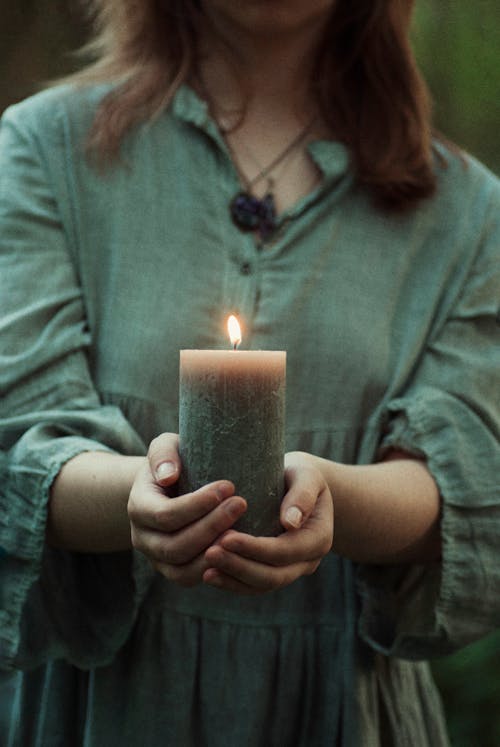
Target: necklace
(248, 212)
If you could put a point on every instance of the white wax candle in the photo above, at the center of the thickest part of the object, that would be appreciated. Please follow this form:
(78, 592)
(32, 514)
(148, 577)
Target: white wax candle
(231, 426)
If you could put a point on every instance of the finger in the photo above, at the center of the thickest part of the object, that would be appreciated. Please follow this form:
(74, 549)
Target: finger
(150, 509)
(304, 485)
(164, 460)
(183, 546)
(313, 540)
(226, 567)
(222, 581)
(187, 575)
(226, 583)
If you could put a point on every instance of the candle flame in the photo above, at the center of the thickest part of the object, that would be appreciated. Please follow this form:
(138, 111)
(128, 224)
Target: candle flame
(234, 330)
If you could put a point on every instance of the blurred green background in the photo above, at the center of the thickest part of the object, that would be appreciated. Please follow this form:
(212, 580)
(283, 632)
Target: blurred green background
(457, 44)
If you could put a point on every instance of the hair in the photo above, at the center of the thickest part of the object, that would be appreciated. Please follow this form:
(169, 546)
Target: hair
(368, 85)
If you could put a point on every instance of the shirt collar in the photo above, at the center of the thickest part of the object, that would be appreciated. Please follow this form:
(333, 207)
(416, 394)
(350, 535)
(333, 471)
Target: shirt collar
(189, 107)
(331, 157)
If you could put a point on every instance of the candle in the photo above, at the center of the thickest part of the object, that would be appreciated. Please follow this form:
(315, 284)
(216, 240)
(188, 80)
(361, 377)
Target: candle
(231, 426)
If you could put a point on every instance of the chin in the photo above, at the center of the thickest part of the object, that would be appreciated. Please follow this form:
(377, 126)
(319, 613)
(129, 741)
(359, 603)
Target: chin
(270, 17)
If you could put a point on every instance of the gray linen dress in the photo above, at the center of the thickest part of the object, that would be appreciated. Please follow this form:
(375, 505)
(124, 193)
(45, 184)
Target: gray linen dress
(391, 328)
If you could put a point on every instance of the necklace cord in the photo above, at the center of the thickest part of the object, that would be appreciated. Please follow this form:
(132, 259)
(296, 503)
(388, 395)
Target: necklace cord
(249, 213)
(263, 173)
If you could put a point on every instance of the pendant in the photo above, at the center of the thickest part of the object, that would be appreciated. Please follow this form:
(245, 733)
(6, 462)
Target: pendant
(251, 214)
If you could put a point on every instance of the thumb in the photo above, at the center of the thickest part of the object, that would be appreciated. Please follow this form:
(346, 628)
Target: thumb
(164, 460)
(300, 499)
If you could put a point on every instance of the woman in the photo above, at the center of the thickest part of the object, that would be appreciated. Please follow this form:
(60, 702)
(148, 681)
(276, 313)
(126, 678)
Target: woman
(274, 159)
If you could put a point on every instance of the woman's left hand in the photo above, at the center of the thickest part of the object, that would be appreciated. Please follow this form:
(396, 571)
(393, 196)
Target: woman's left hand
(252, 565)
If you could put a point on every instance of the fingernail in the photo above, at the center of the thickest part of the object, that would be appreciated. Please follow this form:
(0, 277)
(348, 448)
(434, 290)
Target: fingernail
(165, 469)
(225, 490)
(233, 508)
(294, 516)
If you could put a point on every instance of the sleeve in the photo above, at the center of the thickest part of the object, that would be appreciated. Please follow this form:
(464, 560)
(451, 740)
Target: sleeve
(53, 604)
(450, 416)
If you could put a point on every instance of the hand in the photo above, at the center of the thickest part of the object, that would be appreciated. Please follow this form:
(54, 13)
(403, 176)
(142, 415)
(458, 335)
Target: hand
(175, 532)
(251, 565)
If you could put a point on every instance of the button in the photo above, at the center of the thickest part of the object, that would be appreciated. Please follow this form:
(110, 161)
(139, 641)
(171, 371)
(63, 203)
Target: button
(246, 268)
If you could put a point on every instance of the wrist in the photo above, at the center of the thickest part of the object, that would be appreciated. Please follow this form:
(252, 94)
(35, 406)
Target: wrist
(388, 512)
(87, 510)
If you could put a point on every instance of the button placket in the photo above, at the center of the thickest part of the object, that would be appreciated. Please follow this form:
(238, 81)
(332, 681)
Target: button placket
(244, 292)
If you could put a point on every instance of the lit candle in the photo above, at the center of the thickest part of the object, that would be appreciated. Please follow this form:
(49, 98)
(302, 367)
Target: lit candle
(231, 426)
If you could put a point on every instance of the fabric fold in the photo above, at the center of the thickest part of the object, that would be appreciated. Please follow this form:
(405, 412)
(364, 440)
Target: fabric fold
(430, 610)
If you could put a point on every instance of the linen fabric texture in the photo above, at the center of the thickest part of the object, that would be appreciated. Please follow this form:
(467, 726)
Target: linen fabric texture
(391, 327)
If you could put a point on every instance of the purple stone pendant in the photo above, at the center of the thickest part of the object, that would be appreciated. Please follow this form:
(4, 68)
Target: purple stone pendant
(251, 214)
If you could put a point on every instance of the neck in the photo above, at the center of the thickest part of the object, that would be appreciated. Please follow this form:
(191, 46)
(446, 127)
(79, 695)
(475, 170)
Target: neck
(271, 67)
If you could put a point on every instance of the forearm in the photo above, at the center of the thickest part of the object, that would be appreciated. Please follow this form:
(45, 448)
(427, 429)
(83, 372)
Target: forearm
(384, 513)
(88, 503)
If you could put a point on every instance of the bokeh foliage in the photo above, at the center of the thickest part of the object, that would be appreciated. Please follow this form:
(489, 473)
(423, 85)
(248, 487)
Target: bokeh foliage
(469, 682)
(36, 40)
(457, 44)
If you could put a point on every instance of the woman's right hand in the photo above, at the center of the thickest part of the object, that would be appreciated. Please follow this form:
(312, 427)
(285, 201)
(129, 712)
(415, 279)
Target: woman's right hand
(175, 532)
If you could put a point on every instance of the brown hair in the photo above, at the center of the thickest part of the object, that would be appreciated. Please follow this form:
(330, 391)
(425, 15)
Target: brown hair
(370, 90)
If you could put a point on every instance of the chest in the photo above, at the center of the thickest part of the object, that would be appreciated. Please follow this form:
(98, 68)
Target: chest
(325, 299)
(162, 267)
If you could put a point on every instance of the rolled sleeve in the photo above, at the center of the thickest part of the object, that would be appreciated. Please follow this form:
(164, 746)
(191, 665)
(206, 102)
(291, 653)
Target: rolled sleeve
(450, 416)
(53, 604)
